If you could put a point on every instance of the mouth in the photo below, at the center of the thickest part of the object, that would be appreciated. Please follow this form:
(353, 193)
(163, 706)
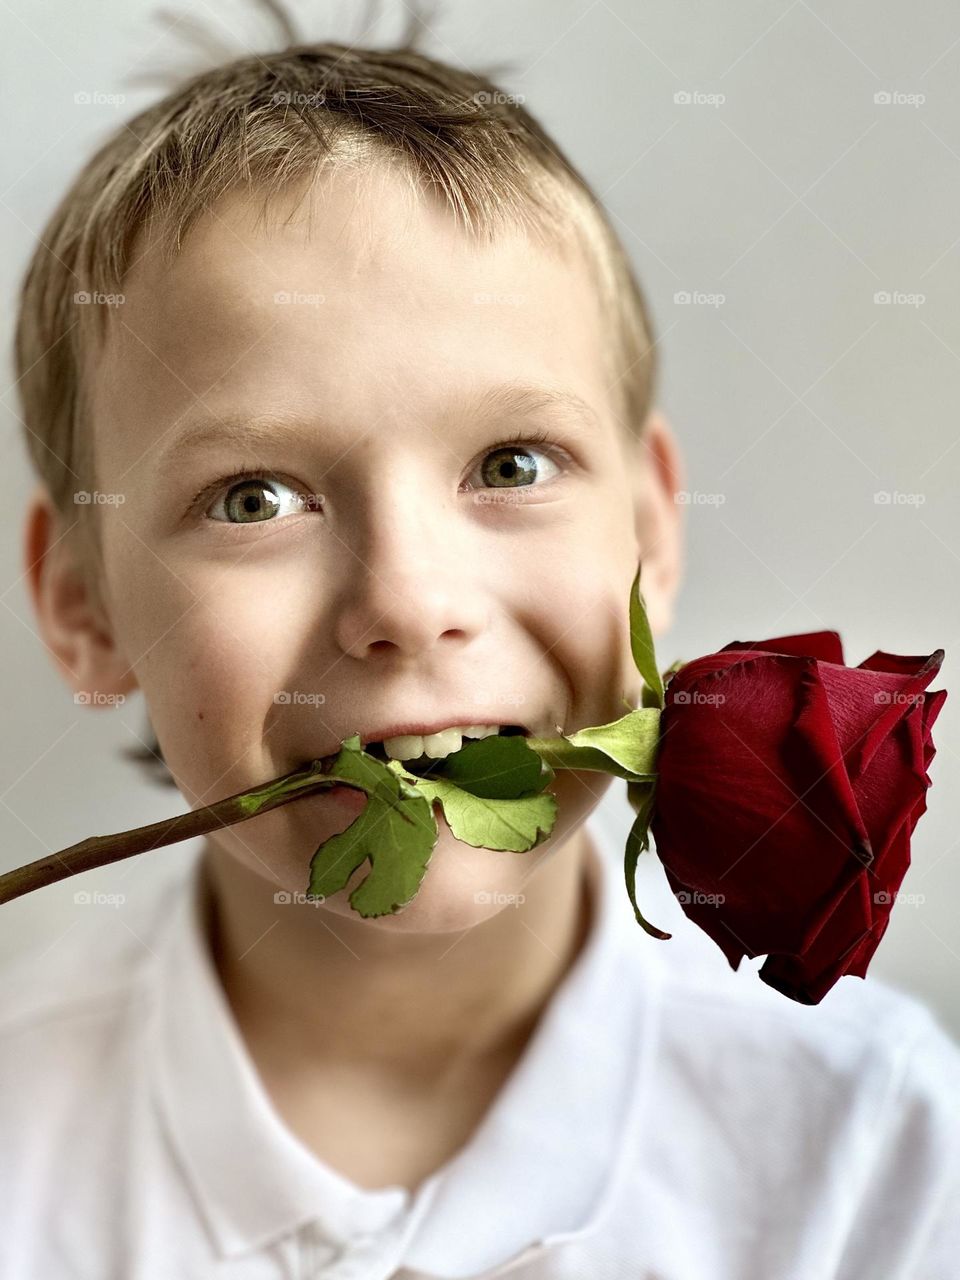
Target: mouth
(421, 753)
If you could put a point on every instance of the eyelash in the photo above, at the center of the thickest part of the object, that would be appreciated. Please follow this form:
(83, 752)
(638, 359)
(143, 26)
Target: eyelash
(204, 496)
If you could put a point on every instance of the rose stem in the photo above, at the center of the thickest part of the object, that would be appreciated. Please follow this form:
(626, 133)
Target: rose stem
(98, 851)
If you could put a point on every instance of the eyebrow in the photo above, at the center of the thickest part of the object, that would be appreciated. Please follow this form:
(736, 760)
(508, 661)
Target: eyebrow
(253, 431)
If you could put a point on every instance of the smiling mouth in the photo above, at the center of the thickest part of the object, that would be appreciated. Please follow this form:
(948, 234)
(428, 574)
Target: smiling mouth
(423, 764)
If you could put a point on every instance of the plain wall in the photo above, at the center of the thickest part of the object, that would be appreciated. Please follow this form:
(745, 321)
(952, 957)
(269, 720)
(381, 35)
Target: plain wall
(783, 185)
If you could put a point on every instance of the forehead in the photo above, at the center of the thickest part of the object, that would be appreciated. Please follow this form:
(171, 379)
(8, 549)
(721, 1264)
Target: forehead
(362, 299)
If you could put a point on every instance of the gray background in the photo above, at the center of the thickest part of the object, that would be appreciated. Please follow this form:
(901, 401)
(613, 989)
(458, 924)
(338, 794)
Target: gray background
(795, 194)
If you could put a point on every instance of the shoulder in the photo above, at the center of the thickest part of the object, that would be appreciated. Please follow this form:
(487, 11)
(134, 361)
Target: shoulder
(832, 1128)
(69, 1003)
(77, 1016)
(857, 1099)
(866, 1036)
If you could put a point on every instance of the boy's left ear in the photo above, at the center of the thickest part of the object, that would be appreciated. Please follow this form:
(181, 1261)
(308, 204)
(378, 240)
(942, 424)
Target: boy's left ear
(659, 475)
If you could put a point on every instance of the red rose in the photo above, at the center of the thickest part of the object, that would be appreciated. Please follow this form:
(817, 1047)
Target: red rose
(788, 789)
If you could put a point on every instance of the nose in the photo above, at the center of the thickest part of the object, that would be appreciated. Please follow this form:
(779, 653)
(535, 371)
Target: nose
(412, 587)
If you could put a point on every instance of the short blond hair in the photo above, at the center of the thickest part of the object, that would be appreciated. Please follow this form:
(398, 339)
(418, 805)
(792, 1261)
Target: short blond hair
(267, 122)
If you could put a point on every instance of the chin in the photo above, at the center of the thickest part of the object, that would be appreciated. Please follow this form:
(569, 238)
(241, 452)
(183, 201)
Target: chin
(461, 888)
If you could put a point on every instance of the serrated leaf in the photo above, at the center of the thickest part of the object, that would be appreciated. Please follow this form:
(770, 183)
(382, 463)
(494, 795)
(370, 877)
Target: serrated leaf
(396, 831)
(632, 741)
(516, 825)
(641, 644)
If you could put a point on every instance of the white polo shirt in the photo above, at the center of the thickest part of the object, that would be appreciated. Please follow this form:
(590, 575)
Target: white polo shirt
(669, 1120)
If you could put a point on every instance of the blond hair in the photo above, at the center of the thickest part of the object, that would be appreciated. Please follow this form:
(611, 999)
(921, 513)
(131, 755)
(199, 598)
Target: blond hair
(267, 122)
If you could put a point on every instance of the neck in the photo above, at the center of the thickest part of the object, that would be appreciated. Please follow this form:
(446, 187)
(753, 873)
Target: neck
(412, 1006)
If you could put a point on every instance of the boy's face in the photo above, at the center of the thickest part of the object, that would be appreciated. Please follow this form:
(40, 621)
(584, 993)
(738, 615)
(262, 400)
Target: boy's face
(429, 582)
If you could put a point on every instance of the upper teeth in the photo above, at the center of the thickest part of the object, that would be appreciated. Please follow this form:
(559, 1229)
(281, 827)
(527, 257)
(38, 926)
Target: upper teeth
(437, 745)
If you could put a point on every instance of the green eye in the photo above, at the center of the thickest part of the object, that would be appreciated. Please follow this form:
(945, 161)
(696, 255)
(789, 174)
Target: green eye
(254, 498)
(511, 464)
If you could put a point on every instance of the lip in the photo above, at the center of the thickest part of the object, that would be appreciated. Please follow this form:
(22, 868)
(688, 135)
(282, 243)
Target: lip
(409, 728)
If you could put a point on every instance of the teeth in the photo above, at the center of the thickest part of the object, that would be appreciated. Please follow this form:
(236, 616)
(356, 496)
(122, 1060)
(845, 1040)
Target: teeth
(437, 745)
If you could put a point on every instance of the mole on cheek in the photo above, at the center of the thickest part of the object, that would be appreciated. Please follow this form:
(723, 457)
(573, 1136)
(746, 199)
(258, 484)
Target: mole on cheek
(199, 715)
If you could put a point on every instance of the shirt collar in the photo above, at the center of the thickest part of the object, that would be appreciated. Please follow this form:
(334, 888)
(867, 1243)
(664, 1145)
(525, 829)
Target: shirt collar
(542, 1166)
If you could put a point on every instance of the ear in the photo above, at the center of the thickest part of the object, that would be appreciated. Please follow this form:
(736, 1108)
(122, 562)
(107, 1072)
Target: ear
(71, 616)
(658, 476)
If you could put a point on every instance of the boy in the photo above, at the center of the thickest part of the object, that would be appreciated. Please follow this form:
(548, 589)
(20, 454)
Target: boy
(375, 451)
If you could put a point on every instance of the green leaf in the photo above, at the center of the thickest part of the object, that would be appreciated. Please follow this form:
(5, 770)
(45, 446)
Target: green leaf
(632, 741)
(516, 825)
(641, 799)
(396, 832)
(498, 768)
(641, 645)
(650, 698)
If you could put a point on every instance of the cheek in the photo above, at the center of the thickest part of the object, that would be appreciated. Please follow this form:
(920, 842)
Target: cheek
(209, 659)
(578, 609)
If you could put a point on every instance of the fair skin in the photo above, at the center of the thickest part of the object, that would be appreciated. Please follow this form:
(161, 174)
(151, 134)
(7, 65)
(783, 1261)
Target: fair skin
(381, 1042)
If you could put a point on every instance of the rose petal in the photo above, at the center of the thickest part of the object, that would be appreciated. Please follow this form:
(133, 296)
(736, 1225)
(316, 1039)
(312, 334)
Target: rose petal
(824, 645)
(732, 816)
(905, 700)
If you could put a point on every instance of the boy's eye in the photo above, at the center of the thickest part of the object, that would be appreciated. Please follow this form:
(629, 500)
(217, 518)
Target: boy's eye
(509, 464)
(251, 499)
